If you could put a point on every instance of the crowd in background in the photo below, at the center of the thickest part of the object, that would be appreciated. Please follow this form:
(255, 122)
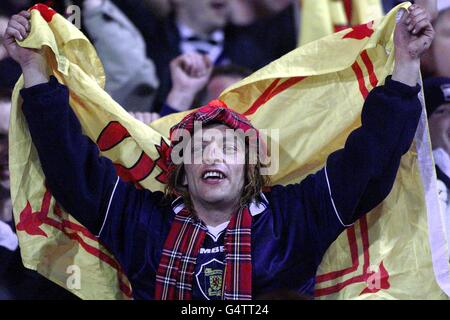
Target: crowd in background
(167, 56)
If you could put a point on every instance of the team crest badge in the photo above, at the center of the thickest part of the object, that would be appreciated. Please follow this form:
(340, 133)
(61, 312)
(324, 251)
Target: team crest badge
(215, 281)
(210, 279)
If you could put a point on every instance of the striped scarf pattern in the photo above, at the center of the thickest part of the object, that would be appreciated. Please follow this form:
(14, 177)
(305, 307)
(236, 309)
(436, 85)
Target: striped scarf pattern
(174, 277)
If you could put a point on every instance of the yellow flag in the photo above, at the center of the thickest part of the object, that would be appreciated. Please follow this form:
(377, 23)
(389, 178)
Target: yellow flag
(314, 95)
(320, 18)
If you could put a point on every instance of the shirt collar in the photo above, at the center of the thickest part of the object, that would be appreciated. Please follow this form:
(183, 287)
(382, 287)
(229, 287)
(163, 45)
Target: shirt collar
(255, 207)
(186, 33)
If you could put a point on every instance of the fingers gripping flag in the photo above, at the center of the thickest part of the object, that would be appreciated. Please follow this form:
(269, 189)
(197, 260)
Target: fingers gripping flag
(314, 95)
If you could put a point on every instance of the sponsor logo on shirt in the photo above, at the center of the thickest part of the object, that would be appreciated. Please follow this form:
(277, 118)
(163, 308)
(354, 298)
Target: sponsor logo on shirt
(212, 250)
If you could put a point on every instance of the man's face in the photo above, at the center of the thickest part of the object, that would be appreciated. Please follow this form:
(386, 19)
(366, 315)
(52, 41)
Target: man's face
(439, 123)
(216, 173)
(441, 46)
(208, 15)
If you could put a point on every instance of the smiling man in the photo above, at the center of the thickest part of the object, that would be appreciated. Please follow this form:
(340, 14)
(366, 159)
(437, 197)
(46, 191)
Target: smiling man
(223, 235)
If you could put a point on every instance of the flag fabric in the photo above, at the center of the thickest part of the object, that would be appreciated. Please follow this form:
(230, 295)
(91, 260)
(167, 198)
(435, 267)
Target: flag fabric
(320, 18)
(313, 95)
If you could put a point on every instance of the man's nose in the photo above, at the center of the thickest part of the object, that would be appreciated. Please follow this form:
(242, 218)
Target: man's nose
(213, 154)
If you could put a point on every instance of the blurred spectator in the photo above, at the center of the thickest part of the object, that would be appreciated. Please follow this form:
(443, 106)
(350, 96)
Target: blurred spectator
(10, 7)
(195, 82)
(201, 25)
(8, 240)
(5, 200)
(159, 8)
(3, 25)
(223, 77)
(436, 62)
(246, 12)
(130, 76)
(437, 99)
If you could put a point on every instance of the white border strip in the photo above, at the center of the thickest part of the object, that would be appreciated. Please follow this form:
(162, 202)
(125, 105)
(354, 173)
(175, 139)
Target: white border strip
(436, 224)
(332, 201)
(107, 210)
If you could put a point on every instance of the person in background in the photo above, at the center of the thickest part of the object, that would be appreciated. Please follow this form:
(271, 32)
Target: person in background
(8, 239)
(3, 25)
(436, 61)
(131, 78)
(160, 8)
(202, 26)
(437, 100)
(246, 12)
(196, 81)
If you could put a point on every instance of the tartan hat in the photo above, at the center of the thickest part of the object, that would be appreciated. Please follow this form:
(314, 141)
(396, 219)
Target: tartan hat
(215, 111)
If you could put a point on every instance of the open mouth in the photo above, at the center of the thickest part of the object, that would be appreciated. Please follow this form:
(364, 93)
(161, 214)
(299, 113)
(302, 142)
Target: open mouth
(213, 175)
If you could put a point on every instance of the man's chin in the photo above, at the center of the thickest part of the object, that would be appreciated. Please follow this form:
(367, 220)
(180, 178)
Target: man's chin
(214, 197)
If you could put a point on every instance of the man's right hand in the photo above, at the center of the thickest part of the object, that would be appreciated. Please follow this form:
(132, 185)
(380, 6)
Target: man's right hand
(32, 63)
(19, 28)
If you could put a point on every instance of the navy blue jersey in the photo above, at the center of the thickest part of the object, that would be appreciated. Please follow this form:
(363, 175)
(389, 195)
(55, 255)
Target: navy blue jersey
(292, 226)
(210, 267)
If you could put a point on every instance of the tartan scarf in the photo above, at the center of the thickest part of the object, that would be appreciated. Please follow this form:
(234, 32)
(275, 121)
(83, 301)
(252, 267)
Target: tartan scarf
(174, 278)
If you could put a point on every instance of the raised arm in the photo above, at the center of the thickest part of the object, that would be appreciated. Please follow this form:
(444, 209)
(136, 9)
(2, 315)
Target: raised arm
(79, 179)
(358, 177)
(126, 220)
(361, 175)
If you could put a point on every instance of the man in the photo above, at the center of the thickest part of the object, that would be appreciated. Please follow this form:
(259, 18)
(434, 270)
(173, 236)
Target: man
(437, 99)
(202, 26)
(223, 236)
